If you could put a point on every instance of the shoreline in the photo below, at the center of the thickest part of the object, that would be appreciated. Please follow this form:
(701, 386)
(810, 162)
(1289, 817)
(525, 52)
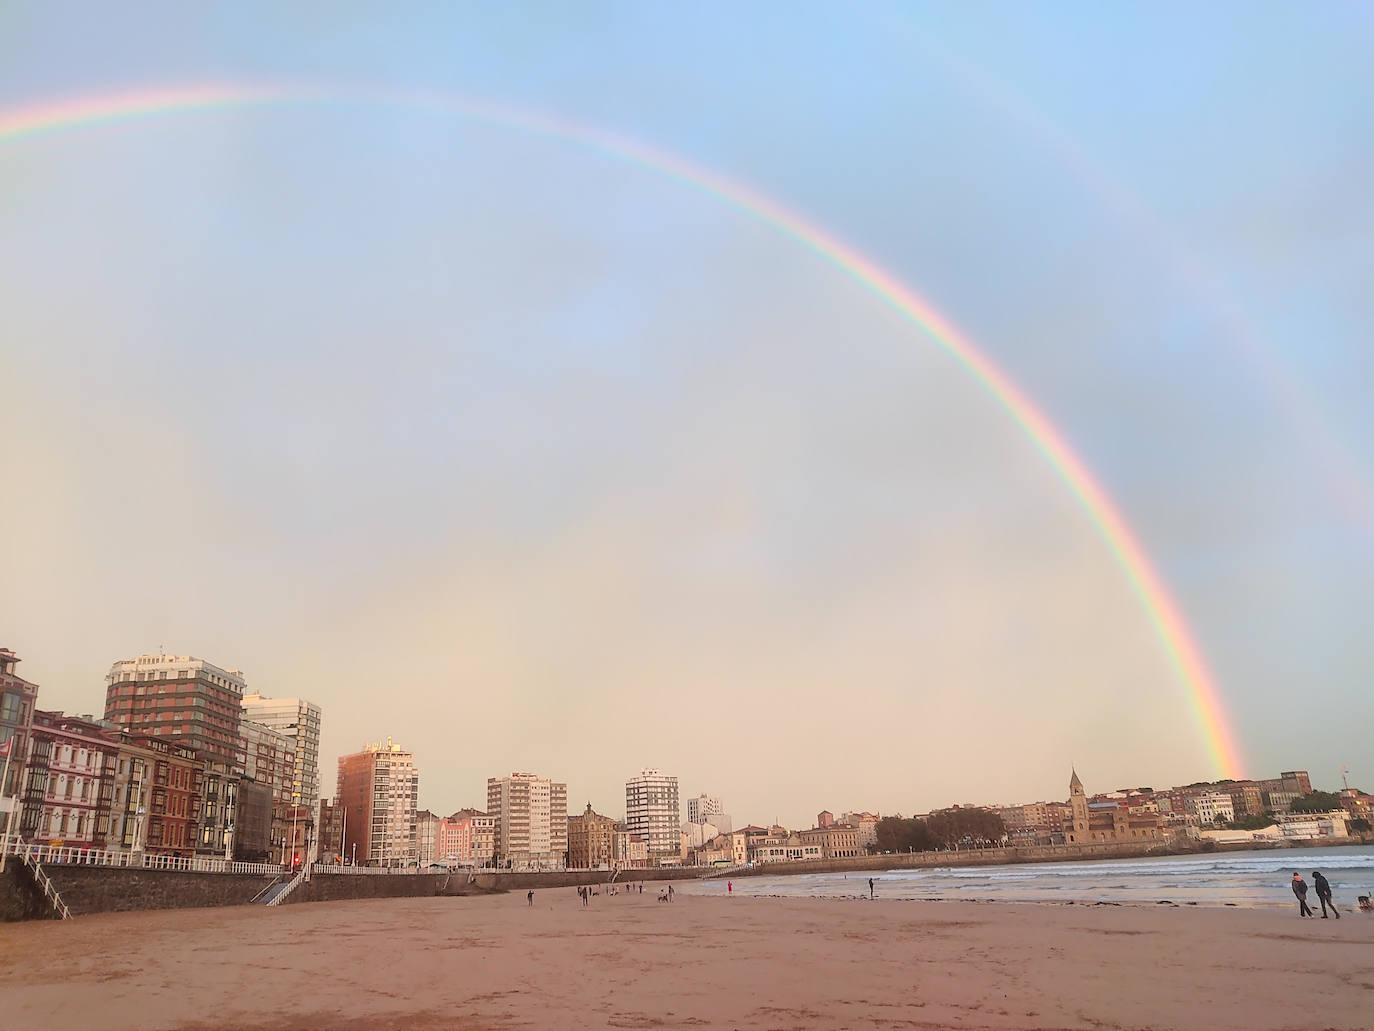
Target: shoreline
(1018, 855)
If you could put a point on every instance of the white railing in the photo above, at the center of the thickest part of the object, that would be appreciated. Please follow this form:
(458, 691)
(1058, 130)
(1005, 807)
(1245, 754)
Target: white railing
(76, 856)
(370, 871)
(288, 887)
(49, 891)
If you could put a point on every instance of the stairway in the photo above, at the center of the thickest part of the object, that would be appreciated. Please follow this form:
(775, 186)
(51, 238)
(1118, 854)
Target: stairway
(50, 892)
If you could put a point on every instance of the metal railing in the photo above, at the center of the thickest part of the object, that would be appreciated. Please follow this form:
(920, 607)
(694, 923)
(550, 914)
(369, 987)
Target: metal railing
(278, 898)
(371, 871)
(46, 884)
(75, 856)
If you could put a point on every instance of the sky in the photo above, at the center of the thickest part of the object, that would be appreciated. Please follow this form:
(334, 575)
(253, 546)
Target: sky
(532, 458)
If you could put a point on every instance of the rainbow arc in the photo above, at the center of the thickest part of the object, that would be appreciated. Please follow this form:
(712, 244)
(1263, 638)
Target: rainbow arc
(1163, 613)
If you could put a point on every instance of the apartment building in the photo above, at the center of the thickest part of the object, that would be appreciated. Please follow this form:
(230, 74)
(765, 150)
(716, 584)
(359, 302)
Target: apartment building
(299, 719)
(269, 759)
(181, 698)
(68, 785)
(377, 789)
(531, 817)
(18, 699)
(652, 811)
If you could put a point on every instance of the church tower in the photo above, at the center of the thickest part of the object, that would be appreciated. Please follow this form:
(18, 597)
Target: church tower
(1078, 804)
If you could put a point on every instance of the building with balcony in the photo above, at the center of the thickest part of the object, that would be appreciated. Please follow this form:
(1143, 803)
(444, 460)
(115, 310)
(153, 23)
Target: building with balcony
(187, 700)
(269, 760)
(18, 699)
(652, 811)
(298, 719)
(531, 821)
(69, 779)
(377, 789)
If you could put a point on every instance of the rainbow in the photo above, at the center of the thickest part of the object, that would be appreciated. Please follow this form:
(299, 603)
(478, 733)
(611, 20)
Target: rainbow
(1163, 613)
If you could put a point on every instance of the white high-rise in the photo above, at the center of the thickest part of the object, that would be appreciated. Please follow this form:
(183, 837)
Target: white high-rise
(531, 820)
(651, 810)
(708, 809)
(300, 720)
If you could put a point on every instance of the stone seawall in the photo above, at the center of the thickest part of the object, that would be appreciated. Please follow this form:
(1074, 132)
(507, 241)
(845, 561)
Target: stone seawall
(511, 881)
(20, 898)
(340, 887)
(102, 889)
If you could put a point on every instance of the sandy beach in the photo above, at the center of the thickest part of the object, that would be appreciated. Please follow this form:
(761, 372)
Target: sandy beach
(492, 962)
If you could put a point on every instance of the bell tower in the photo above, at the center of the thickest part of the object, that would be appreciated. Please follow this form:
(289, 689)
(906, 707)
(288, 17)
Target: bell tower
(1078, 804)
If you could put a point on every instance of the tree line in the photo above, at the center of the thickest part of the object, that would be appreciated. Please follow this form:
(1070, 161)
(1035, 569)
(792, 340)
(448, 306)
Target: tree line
(948, 828)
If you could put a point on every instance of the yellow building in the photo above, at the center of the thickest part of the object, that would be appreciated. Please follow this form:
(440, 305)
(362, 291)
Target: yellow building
(591, 840)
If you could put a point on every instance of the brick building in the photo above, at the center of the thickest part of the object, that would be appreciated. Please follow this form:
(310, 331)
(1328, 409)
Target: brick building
(180, 698)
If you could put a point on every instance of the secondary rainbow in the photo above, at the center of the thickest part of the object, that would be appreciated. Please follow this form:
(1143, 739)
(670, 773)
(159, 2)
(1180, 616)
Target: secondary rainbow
(1163, 613)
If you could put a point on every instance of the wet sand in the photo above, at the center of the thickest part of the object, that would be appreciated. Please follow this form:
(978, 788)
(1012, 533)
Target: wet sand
(491, 962)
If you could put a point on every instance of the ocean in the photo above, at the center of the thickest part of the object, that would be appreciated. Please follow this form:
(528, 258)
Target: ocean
(1258, 878)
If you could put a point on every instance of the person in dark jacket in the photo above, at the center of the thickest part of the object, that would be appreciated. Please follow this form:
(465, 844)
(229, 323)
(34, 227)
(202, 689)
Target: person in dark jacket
(1324, 893)
(1300, 890)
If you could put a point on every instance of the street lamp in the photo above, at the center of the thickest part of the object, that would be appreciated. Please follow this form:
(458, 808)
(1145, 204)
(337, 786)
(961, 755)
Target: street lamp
(295, 811)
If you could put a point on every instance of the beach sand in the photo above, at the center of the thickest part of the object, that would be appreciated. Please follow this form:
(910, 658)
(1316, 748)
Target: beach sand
(491, 962)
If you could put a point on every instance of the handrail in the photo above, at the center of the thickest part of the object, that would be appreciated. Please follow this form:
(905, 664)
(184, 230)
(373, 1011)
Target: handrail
(268, 887)
(49, 890)
(291, 885)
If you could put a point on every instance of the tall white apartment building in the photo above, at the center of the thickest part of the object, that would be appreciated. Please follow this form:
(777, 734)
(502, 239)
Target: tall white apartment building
(531, 820)
(299, 719)
(652, 811)
(708, 809)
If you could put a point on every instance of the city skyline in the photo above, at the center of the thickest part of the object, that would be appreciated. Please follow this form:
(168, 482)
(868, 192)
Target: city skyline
(629, 389)
(157, 662)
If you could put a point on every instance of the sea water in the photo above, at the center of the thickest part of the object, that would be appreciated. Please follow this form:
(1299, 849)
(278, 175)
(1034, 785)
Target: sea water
(1258, 878)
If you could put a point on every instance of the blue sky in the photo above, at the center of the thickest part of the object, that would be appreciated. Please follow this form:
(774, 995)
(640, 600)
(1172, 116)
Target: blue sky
(591, 471)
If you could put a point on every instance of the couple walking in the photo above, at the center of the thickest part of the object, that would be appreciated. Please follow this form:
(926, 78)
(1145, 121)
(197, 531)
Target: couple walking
(1323, 894)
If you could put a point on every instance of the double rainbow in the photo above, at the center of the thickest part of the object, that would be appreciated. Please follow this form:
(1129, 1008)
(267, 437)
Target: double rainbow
(1162, 611)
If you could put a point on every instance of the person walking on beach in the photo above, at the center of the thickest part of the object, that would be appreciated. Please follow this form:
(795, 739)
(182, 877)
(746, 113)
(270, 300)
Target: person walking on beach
(530, 895)
(1300, 890)
(671, 893)
(870, 887)
(1323, 887)
(729, 887)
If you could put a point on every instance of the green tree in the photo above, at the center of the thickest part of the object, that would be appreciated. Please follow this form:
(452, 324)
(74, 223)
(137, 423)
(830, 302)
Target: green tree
(1317, 802)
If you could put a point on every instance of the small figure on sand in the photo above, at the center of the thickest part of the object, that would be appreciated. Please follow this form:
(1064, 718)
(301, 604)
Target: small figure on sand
(729, 887)
(671, 893)
(1300, 890)
(870, 887)
(1323, 887)
(529, 895)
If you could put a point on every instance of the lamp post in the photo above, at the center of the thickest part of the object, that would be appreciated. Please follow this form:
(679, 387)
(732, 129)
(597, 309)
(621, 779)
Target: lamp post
(355, 854)
(295, 811)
